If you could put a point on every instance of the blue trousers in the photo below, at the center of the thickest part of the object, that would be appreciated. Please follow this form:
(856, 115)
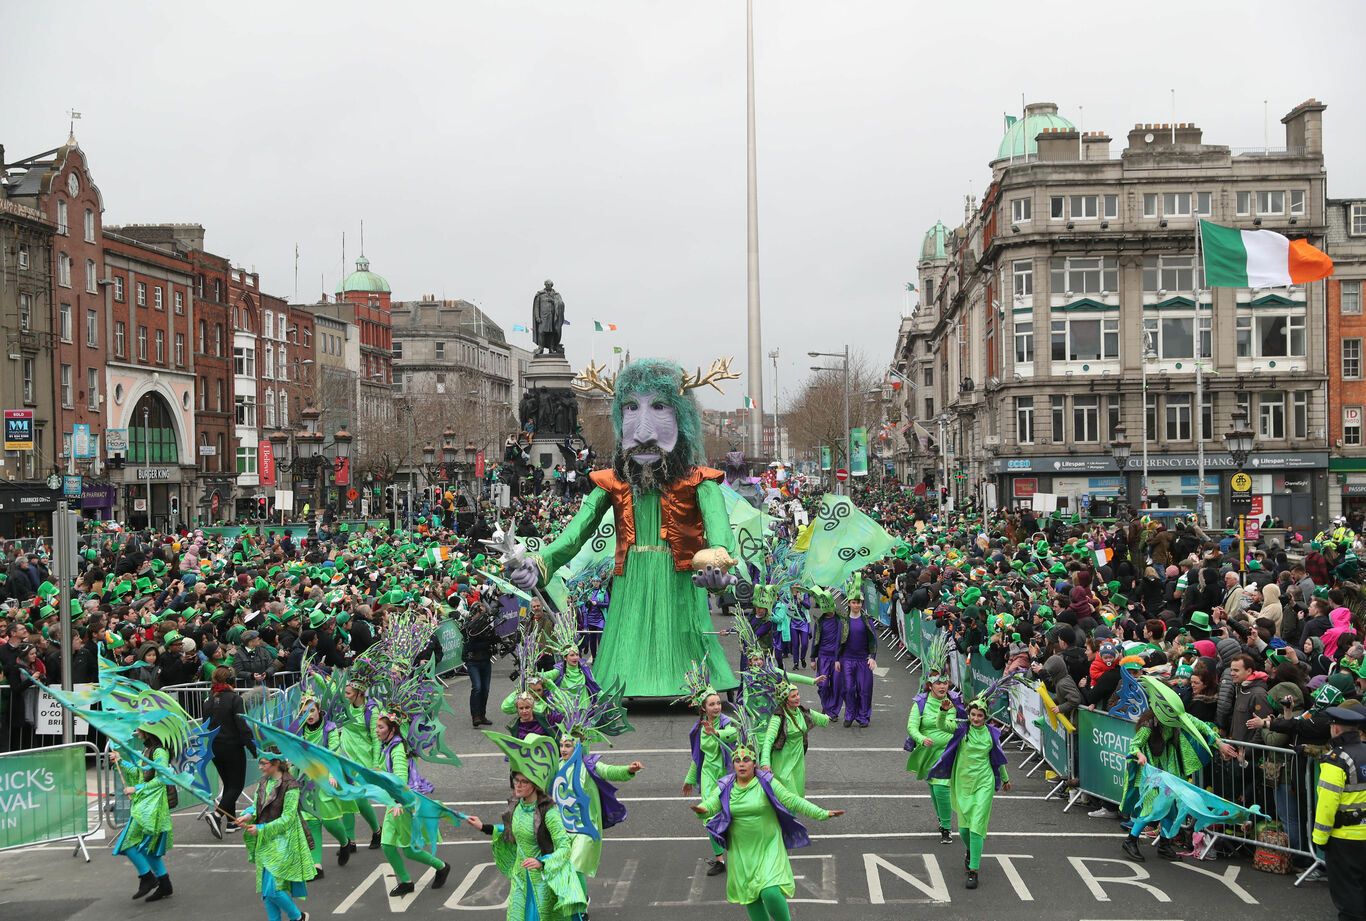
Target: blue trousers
(481, 673)
(144, 864)
(829, 689)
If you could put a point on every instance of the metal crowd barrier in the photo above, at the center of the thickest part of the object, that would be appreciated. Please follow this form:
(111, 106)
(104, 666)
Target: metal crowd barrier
(1281, 781)
(45, 806)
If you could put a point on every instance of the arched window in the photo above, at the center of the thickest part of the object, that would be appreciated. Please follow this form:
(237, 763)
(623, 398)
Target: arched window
(151, 432)
(270, 409)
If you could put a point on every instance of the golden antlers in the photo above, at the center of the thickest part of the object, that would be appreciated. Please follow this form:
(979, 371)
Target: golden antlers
(719, 371)
(591, 378)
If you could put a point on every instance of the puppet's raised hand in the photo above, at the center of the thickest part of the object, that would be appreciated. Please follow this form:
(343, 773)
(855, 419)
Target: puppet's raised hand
(526, 576)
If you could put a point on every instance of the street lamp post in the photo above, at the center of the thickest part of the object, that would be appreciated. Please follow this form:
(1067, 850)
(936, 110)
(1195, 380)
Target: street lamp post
(1149, 354)
(1239, 438)
(848, 459)
(1120, 449)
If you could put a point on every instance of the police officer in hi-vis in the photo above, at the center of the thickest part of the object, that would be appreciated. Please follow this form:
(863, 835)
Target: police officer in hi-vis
(1340, 817)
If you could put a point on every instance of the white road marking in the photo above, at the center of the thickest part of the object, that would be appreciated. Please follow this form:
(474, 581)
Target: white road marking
(935, 889)
(1093, 882)
(466, 884)
(385, 877)
(1013, 875)
(1228, 878)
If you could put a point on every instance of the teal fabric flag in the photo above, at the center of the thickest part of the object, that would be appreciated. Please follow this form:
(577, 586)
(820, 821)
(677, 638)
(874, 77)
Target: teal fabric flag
(747, 524)
(843, 540)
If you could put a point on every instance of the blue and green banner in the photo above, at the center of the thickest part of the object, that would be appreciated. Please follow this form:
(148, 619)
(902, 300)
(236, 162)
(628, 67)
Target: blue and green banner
(858, 452)
(42, 796)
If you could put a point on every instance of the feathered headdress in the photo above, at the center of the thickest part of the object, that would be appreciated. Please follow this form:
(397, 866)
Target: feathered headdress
(992, 692)
(526, 655)
(936, 661)
(599, 720)
(696, 684)
(564, 632)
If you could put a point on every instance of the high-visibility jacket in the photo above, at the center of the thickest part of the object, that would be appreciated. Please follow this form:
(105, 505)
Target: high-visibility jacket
(1341, 810)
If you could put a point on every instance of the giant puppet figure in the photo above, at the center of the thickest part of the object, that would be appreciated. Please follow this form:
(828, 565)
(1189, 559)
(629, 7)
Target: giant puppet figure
(673, 535)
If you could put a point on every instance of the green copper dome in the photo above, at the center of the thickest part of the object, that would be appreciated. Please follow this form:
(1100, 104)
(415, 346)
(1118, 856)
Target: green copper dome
(936, 242)
(1019, 140)
(363, 280)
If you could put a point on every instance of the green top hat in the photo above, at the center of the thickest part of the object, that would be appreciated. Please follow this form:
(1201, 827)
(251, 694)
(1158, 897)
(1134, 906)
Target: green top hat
(319, 617)
(47, 590)
(1200, 620)
(144, 586)
(158, 568)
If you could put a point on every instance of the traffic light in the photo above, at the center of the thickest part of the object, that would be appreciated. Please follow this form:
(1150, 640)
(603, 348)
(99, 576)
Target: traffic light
(262, 508)
(390, 497)
(175, 507)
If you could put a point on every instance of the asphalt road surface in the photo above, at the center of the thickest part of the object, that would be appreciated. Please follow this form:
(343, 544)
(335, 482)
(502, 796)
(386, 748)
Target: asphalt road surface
(882, 859)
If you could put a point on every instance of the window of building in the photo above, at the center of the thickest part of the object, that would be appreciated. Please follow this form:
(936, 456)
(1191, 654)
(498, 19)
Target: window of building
(218, 340)
(270, 409)
(1079, 339)
(1084, 207)
(929, 377)
(1114, 408)
(1206, 415)
(1086, 418)
(1203, 204)
(157, 301)
(1178, 417)
(1056, 207)
(1176, 204)
(1150, 415)
(1349, 297)
(25, 312)
(1276, 335)
(92, 328)
(203, 393)
(281, 365)
(203, 334)
(64, 270)
(66, 386)
(91, 282)
(246, 410)
(161, 346)
(1170, 274)
(92, 388)
(118, 289)
(1358, 218)
(180, 350)
(28, 380)
(244, 361)
(1021, 210)
(1174, 336)
(1299, 421)
(218, 395)
(1024, 420)
(61, 218)
(23, 255)
(1297, 201)
(1150, 201)
(89, 226)
(268, 365)
(1271, 413)
(64, 321)
(1270, 202)
(268, 327)
(1351, 359)
(1244, 203)
(441, 351)
(120, 338)
(180, 303)
(398, 350)
(284, 409)
(246, 459)
(217, 290)
(140, 290)
(1059, 413)
(1075, 275)
(1351, 425)
(1110, 207)
(1024, 277)
(282, 327)
(1024, 341)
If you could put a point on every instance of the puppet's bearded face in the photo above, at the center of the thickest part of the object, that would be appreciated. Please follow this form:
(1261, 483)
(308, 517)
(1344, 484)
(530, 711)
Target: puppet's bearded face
(649, 434)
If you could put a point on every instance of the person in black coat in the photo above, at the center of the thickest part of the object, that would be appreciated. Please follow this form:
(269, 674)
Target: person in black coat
(226, 713)
(479, 638)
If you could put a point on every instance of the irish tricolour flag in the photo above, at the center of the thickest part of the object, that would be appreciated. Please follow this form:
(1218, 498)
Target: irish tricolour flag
(1259, 258)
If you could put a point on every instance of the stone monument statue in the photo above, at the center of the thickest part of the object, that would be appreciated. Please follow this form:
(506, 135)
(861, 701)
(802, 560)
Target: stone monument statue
(547, 320)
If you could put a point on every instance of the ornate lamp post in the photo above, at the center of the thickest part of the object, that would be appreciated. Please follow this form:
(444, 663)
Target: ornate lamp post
(1120, 449)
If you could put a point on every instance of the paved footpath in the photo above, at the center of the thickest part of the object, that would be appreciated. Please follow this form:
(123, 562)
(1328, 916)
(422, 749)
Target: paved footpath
(881, 860)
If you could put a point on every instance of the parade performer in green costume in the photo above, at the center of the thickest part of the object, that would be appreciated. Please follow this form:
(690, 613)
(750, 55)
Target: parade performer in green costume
(399, 837)
(975, 766)
(276, 840)
(708, 742)
(1171, 740)
(673, 535)
(147, 836)
(360, 744)
(752, 816)
(530, 845)
(934, 718)
(571, 675)
(322, 810)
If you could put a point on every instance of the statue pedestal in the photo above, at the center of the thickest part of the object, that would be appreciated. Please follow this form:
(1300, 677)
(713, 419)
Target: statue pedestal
(554, 373)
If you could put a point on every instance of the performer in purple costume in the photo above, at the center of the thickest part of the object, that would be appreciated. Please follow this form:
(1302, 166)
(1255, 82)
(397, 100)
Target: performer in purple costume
(857, 659)
(826, 646)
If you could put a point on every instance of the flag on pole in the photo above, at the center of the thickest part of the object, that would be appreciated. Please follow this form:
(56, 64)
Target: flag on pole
(749, 403)
(1259, 258)
(616, 350)
(1010, 120)
(519, 328)
(910, 286)
(604, 327)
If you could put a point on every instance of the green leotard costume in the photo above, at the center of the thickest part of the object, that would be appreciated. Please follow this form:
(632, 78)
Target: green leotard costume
(789, 762)
(551, 893)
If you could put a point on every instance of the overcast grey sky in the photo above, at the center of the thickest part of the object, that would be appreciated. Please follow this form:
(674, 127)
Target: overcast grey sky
(488, 146)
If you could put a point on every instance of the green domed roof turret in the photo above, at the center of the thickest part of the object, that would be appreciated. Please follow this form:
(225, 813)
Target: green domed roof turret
(936, 242)
(363, 280)
(1019, 138)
